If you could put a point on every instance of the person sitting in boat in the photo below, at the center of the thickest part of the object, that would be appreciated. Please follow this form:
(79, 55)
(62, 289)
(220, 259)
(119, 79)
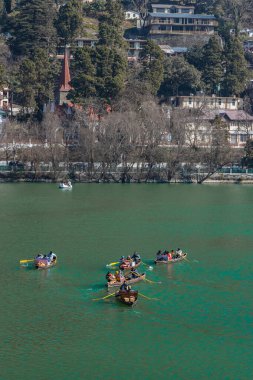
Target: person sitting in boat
(134, 273)
(125, 287)
(161, 256)
(170, 255)
(172, 252)
(110, 277)
(122, 259)
(51, 256)
(119, 276)
(39, 256)
(136, 257)
(179, 252)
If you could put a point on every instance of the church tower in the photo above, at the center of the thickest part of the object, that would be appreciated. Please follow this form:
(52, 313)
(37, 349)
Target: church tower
(64, 86)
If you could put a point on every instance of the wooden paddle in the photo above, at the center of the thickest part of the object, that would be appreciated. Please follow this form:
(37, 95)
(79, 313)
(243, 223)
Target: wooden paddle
(148, 297)
(102, 298)
(149, 266)
(111, 264)
(26, 261)
(152, 282)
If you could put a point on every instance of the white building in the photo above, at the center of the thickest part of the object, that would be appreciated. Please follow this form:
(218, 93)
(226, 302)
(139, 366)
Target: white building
(131, 15)
(208, 102)
(200, 113)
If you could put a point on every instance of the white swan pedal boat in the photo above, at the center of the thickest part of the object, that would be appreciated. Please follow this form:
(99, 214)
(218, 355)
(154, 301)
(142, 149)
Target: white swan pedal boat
(65, 185)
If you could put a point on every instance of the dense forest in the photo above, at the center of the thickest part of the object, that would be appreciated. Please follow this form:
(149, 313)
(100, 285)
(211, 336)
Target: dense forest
(32, 32)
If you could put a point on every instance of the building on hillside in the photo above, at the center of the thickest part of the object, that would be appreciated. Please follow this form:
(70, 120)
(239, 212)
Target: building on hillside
(170, 19)
(64, 85)
(85, 41)
(207, 102)
(248, 45)
(239, 124)
(200, 112)
(132, 15)
(198, 126)
(4, 98)
(134, 48)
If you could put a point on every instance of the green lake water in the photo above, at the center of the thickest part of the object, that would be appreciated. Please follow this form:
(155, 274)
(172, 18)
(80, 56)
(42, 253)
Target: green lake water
(201, 326)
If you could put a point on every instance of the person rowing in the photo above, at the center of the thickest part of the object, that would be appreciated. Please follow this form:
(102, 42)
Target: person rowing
(136, 257)
(51, 256)
(125, 287)
(179, 252)
(134, 273)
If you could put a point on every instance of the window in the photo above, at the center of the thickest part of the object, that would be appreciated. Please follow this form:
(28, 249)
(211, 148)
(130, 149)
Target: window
(243, 138)
(190, 101)
(219, 102)
(233, 139)
(233, 102)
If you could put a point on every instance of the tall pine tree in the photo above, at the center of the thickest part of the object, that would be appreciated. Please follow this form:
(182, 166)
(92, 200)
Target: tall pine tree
(33, 27)
(111, 57)
(212, 66)
(69, 20)
(152, 61)
(236, 72)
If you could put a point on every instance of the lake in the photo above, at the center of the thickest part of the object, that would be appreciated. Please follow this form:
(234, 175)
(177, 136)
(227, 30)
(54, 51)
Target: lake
(200, 326)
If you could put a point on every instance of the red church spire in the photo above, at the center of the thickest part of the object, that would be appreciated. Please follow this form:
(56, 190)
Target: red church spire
(65, 74)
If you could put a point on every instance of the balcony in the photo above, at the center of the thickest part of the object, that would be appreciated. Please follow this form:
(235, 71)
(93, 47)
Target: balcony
(157, 21)
(188, 32)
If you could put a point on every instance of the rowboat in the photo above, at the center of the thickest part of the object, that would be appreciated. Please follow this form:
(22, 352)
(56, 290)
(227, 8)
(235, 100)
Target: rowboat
(128, 265)
(172, 261)
(128, 282)
(128, 297)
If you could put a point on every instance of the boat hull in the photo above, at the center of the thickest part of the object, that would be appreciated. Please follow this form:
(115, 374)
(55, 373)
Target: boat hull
(126, 267)
(44, 264)
(65, 187)
(128, 282)
(183, 257)
(128, 297)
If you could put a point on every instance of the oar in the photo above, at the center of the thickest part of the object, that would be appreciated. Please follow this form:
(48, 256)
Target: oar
(102, 298)
(186, 259)
(148, 297)
(145, 279)
(149, 267)
(25, 261)
(111, 264)
(152, 282)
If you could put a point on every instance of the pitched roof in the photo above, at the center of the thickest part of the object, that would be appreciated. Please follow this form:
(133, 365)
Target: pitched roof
(238, 115)
(65, 74)
(233, 115)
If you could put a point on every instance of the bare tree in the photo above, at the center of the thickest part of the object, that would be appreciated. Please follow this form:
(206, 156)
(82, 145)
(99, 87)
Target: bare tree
(239, 12)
